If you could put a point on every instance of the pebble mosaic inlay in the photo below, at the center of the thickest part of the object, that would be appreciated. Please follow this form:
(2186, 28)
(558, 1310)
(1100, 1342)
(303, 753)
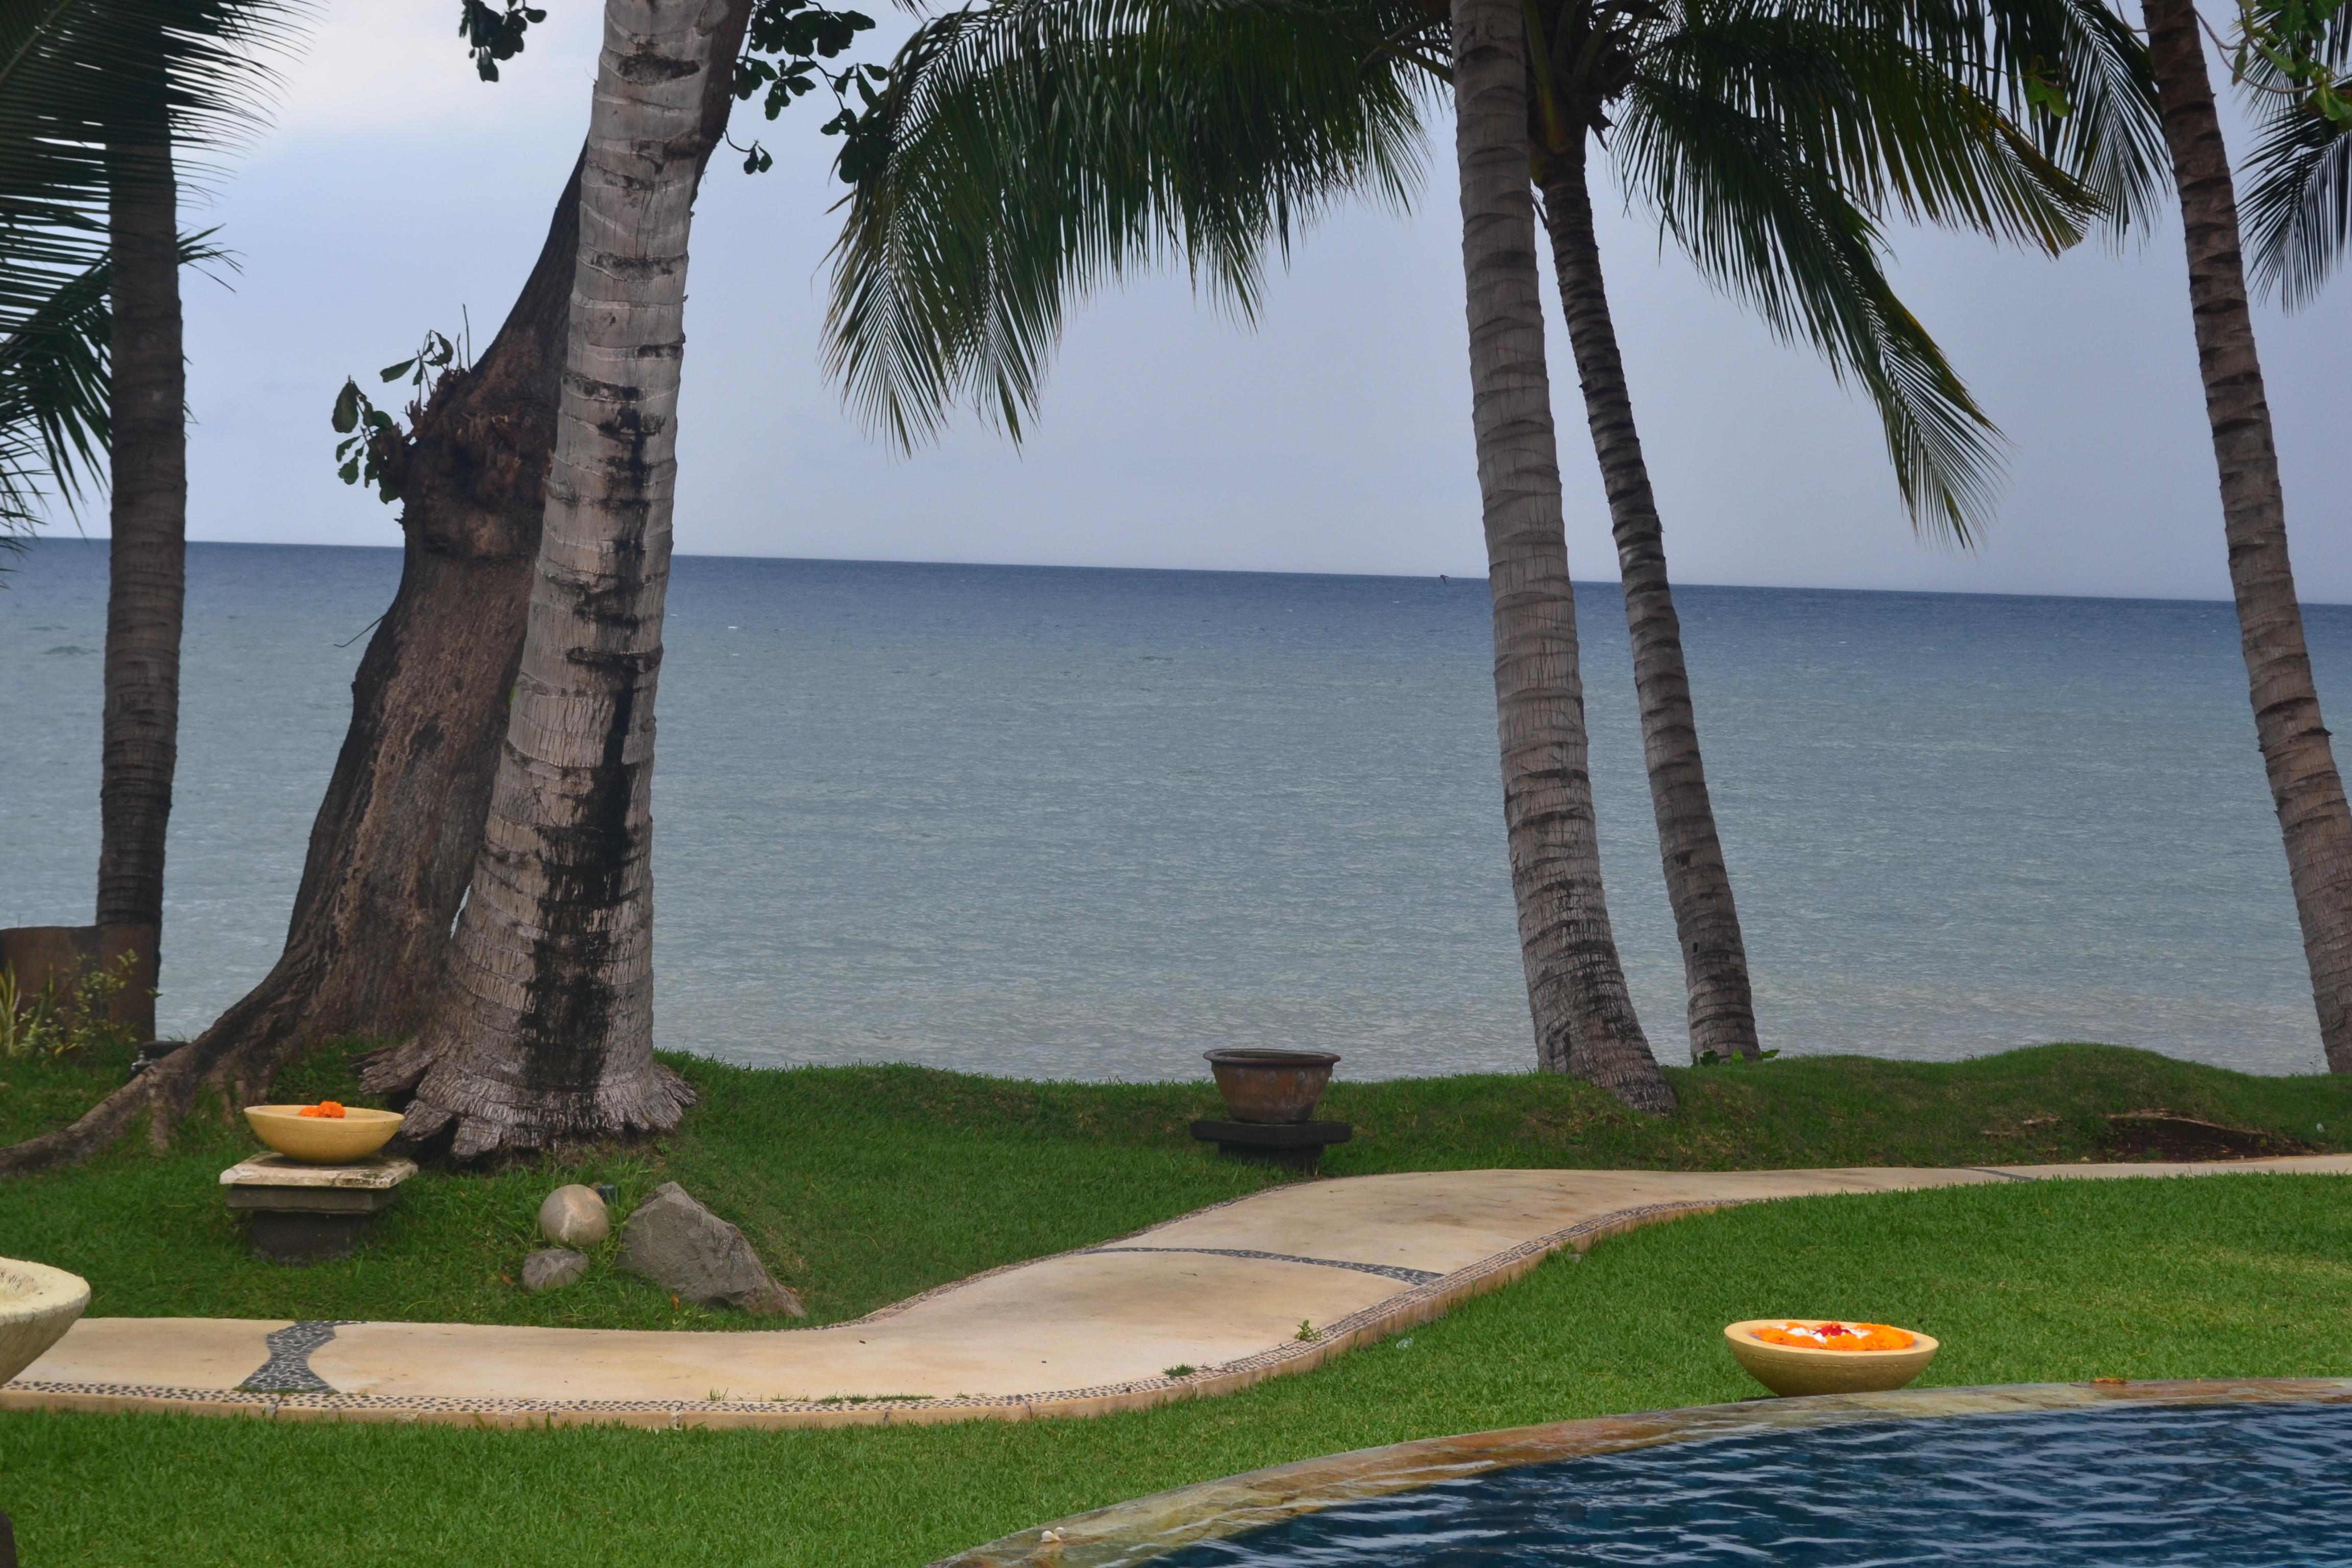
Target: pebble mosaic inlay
(1385, 1270)
(288, 1370)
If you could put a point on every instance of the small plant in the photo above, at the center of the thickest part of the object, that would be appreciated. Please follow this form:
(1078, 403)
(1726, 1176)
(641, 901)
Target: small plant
(40, 1026)
(372, 438)
(1179, 1370)
(1306, 1334)
(24, 1021)
(1716, 1058)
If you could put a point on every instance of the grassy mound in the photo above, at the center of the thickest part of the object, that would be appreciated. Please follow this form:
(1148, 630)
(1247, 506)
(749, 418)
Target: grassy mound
(863, 1185)
(2243, 1275)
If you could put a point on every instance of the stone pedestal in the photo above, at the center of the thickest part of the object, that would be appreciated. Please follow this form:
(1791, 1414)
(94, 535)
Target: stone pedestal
(302, 1214)
(1299, 1145)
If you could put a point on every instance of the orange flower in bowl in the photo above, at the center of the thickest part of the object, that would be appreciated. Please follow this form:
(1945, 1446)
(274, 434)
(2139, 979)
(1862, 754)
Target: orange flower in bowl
(332, 1110)
(1827, 1355)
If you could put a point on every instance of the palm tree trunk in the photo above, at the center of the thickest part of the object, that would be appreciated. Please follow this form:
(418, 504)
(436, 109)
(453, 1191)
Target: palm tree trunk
(544, 1030)
(147, 557)
(1707, 921)
(2305, 786)
(1584, 1020)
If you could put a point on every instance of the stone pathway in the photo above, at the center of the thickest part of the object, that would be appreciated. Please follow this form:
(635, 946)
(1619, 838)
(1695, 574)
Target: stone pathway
(1223, 1290)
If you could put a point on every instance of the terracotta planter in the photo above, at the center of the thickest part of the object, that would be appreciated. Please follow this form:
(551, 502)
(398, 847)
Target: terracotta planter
(37, 1305)
(1270, 1088)
(322, 1139)
(1799, 1369)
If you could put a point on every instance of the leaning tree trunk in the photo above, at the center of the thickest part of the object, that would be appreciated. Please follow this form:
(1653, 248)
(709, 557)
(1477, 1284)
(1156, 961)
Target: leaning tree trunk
(1715, 959)
(147, 557)
(2305, 786)
(1584, 1019)
(544, 1027)
(396, 837)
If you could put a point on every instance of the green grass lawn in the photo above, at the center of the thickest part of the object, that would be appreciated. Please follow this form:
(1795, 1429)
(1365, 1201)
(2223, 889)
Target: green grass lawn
(2224, 1276)
(863, 1186)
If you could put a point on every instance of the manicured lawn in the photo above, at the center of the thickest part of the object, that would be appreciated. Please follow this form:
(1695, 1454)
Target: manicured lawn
(2224, 1276)
(863, 1185)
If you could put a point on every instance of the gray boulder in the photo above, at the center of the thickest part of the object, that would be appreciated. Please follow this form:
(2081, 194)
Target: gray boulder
(553, 1267)
(575, 1217)
(696, 1256)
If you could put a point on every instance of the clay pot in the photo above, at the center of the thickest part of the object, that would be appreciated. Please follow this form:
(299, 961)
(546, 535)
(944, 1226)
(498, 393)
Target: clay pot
(1270, 1088)
(1800, 1369)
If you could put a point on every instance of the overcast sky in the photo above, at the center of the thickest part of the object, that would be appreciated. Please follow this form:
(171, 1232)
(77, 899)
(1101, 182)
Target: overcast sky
(395, 189)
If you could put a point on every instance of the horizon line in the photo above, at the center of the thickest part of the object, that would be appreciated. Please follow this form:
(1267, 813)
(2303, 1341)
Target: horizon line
(28, 542)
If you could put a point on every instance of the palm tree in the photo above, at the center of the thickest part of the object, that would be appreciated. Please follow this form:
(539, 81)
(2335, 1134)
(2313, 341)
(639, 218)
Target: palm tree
(93, 96)
(1585, 1022)
(545, 1028)
(1739, 124)
(2303, 187)
(147, 554)
(1030, 149)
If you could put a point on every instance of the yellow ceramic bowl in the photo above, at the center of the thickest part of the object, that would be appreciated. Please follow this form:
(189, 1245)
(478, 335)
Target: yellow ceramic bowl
(1798, 1369)
(322, 1139)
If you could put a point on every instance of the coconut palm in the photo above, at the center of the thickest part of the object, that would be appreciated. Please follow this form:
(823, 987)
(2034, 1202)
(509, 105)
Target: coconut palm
(1769, 139)
(545, 1028)
(1575, 982)
(94, 96)
(1031, 149)
(2301, 189)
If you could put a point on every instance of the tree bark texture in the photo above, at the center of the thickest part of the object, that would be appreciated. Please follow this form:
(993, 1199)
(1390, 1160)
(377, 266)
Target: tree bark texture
(2305, 788)
(1706, 920)
(147, 556)
(544, 1027)
(1584, 1019)
(394, 843)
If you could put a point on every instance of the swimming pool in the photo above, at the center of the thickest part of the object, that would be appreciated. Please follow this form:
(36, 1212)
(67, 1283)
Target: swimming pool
(2242, 1475)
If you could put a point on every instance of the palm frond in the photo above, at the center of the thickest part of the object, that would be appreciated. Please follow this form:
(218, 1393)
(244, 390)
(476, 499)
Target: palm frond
(74, 73)
(55, 393)
(54, 385)
(1771, 227)
(2298, 200)
(1890, 123)
(2071, 73)
(1033, 150)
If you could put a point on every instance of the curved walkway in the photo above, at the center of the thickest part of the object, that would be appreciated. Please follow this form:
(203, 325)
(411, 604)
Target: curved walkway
(1224, 1290)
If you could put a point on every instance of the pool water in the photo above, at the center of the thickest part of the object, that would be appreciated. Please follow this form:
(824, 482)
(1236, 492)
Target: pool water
(2245, 1485)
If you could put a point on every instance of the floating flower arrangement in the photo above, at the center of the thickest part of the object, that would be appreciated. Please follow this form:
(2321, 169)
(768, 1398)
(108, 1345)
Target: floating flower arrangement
(1836, 1336)
(331, 1108)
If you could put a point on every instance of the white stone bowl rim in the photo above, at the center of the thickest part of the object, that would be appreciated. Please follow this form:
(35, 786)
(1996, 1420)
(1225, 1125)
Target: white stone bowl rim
(30, 1290)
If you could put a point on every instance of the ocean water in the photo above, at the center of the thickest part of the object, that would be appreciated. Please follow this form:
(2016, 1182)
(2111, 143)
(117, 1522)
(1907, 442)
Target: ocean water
(1086, 823)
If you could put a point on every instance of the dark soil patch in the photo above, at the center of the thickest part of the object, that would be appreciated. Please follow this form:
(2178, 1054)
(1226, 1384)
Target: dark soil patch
(2160, 1136)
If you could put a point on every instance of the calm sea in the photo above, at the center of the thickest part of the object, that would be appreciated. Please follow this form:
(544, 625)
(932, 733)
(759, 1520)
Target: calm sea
(1084, 823)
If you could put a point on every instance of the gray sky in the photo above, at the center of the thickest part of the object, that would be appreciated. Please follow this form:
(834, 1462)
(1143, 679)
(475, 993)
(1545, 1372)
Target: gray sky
(396, 188)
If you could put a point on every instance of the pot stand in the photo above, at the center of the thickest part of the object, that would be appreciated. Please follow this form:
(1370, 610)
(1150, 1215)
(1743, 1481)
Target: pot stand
(1296, 1145)
(299, 1214)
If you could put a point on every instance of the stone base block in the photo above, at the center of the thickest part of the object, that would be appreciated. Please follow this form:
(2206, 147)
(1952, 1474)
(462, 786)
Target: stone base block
(1297, 1145)
(299, 1214)
(297, 1237)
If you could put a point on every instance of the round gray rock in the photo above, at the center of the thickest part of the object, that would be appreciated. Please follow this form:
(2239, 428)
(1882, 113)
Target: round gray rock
(555, 1265)
(575, 1217)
